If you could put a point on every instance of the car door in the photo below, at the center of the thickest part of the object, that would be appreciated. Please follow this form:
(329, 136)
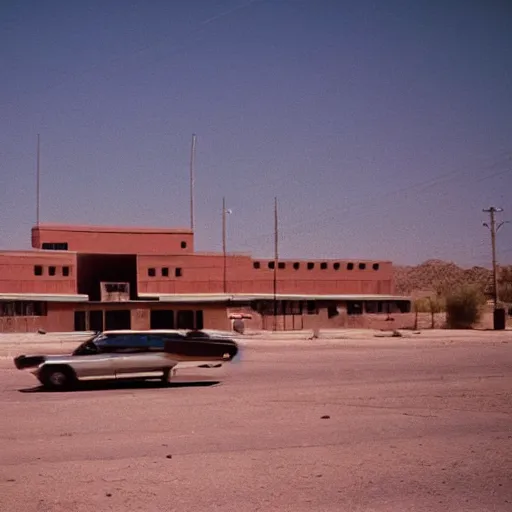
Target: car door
(90, 362)
(132, 358)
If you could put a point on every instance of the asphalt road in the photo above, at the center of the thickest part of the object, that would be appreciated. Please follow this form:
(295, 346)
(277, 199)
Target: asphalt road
(323, 428)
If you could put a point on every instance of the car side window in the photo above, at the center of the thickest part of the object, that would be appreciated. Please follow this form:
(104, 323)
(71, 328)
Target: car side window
(156, 343)
(124, 343)
(166, 338)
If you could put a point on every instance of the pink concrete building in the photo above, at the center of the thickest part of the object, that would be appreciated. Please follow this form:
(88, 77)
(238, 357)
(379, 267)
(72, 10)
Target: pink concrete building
(96, 278)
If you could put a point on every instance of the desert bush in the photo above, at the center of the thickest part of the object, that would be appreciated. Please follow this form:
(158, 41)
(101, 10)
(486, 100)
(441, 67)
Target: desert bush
(435, 304)
(505, 284)
(421, 305)
(464, 307)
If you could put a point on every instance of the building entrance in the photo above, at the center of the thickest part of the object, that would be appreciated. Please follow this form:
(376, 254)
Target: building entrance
(117, 319)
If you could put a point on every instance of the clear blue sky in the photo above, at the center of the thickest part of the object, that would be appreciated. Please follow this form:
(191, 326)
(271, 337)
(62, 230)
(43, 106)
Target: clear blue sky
(384, 127)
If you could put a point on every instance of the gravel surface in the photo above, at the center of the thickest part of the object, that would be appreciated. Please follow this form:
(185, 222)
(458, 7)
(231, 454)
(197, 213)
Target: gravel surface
(354, 425)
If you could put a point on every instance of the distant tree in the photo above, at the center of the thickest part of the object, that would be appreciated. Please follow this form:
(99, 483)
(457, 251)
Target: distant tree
(464, 307)
(436, 304)
(432, 304)
(422, 305)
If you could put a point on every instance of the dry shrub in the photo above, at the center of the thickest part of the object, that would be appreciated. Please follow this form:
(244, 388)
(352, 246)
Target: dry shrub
(464, 307)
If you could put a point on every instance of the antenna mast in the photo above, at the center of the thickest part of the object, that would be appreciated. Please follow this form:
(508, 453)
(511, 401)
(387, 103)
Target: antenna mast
(192, 162)
(38, 180)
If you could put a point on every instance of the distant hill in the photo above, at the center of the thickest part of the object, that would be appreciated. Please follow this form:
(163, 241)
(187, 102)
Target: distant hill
(436, 275)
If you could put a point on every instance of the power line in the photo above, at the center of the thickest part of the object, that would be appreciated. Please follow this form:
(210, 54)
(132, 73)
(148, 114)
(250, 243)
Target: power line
(421, 186)
(499, 173)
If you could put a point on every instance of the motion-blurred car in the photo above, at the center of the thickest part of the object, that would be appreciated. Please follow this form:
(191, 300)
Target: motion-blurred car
(131, 355)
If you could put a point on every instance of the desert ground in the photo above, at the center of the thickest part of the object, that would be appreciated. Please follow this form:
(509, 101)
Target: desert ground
(350, 422)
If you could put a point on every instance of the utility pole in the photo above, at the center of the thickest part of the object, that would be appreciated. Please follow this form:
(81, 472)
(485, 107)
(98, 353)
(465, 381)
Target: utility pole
(276, 258)
(38, 180)
(192, 162)
(225, 211)
(492, 211)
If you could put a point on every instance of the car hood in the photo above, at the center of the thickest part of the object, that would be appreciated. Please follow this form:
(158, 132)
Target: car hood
(32, 361)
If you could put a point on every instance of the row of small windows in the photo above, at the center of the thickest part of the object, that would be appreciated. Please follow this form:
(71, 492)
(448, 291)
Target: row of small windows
(311, 265)
(52, 270)
(164, 272)
(55, 246)
(23, 308)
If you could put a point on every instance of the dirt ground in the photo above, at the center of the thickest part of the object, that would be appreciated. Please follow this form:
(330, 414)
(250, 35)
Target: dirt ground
(340, 424)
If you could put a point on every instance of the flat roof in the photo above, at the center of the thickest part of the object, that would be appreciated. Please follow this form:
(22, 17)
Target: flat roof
(35, 252)
(239, 297)
(320, 260)
(113, 229)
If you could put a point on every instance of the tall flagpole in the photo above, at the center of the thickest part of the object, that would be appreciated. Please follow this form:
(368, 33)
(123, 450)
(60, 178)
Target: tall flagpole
(224, 258)
(276, 258)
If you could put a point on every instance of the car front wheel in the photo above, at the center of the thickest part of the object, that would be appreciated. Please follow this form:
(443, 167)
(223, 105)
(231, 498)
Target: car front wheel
(58, 378)
(167, 375)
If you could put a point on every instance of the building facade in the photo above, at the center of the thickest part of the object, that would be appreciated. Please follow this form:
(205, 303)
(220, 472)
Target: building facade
(96, 278)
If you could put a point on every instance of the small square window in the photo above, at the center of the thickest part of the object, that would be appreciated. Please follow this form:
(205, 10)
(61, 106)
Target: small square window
(151, 272)
(271, 265)
(55, 246)
(165, 272)
(38, 270)
(178, 272)
(256, 264)
(336, 266)
(311, 265)
(51, 271)
(323, 265)
(375, 266)
(65, 271)
(183, 244)
(281, 265)
(296, 265)
(350, 266)
(362, 266)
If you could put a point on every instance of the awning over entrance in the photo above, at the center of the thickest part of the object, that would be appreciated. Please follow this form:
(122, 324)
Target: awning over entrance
(44, 297)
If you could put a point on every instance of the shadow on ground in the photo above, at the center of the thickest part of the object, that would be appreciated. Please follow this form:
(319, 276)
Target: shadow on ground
(107, 384)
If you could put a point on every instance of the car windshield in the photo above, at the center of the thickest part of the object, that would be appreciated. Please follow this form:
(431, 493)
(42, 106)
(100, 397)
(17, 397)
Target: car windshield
(86, 348)
(98, 338)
